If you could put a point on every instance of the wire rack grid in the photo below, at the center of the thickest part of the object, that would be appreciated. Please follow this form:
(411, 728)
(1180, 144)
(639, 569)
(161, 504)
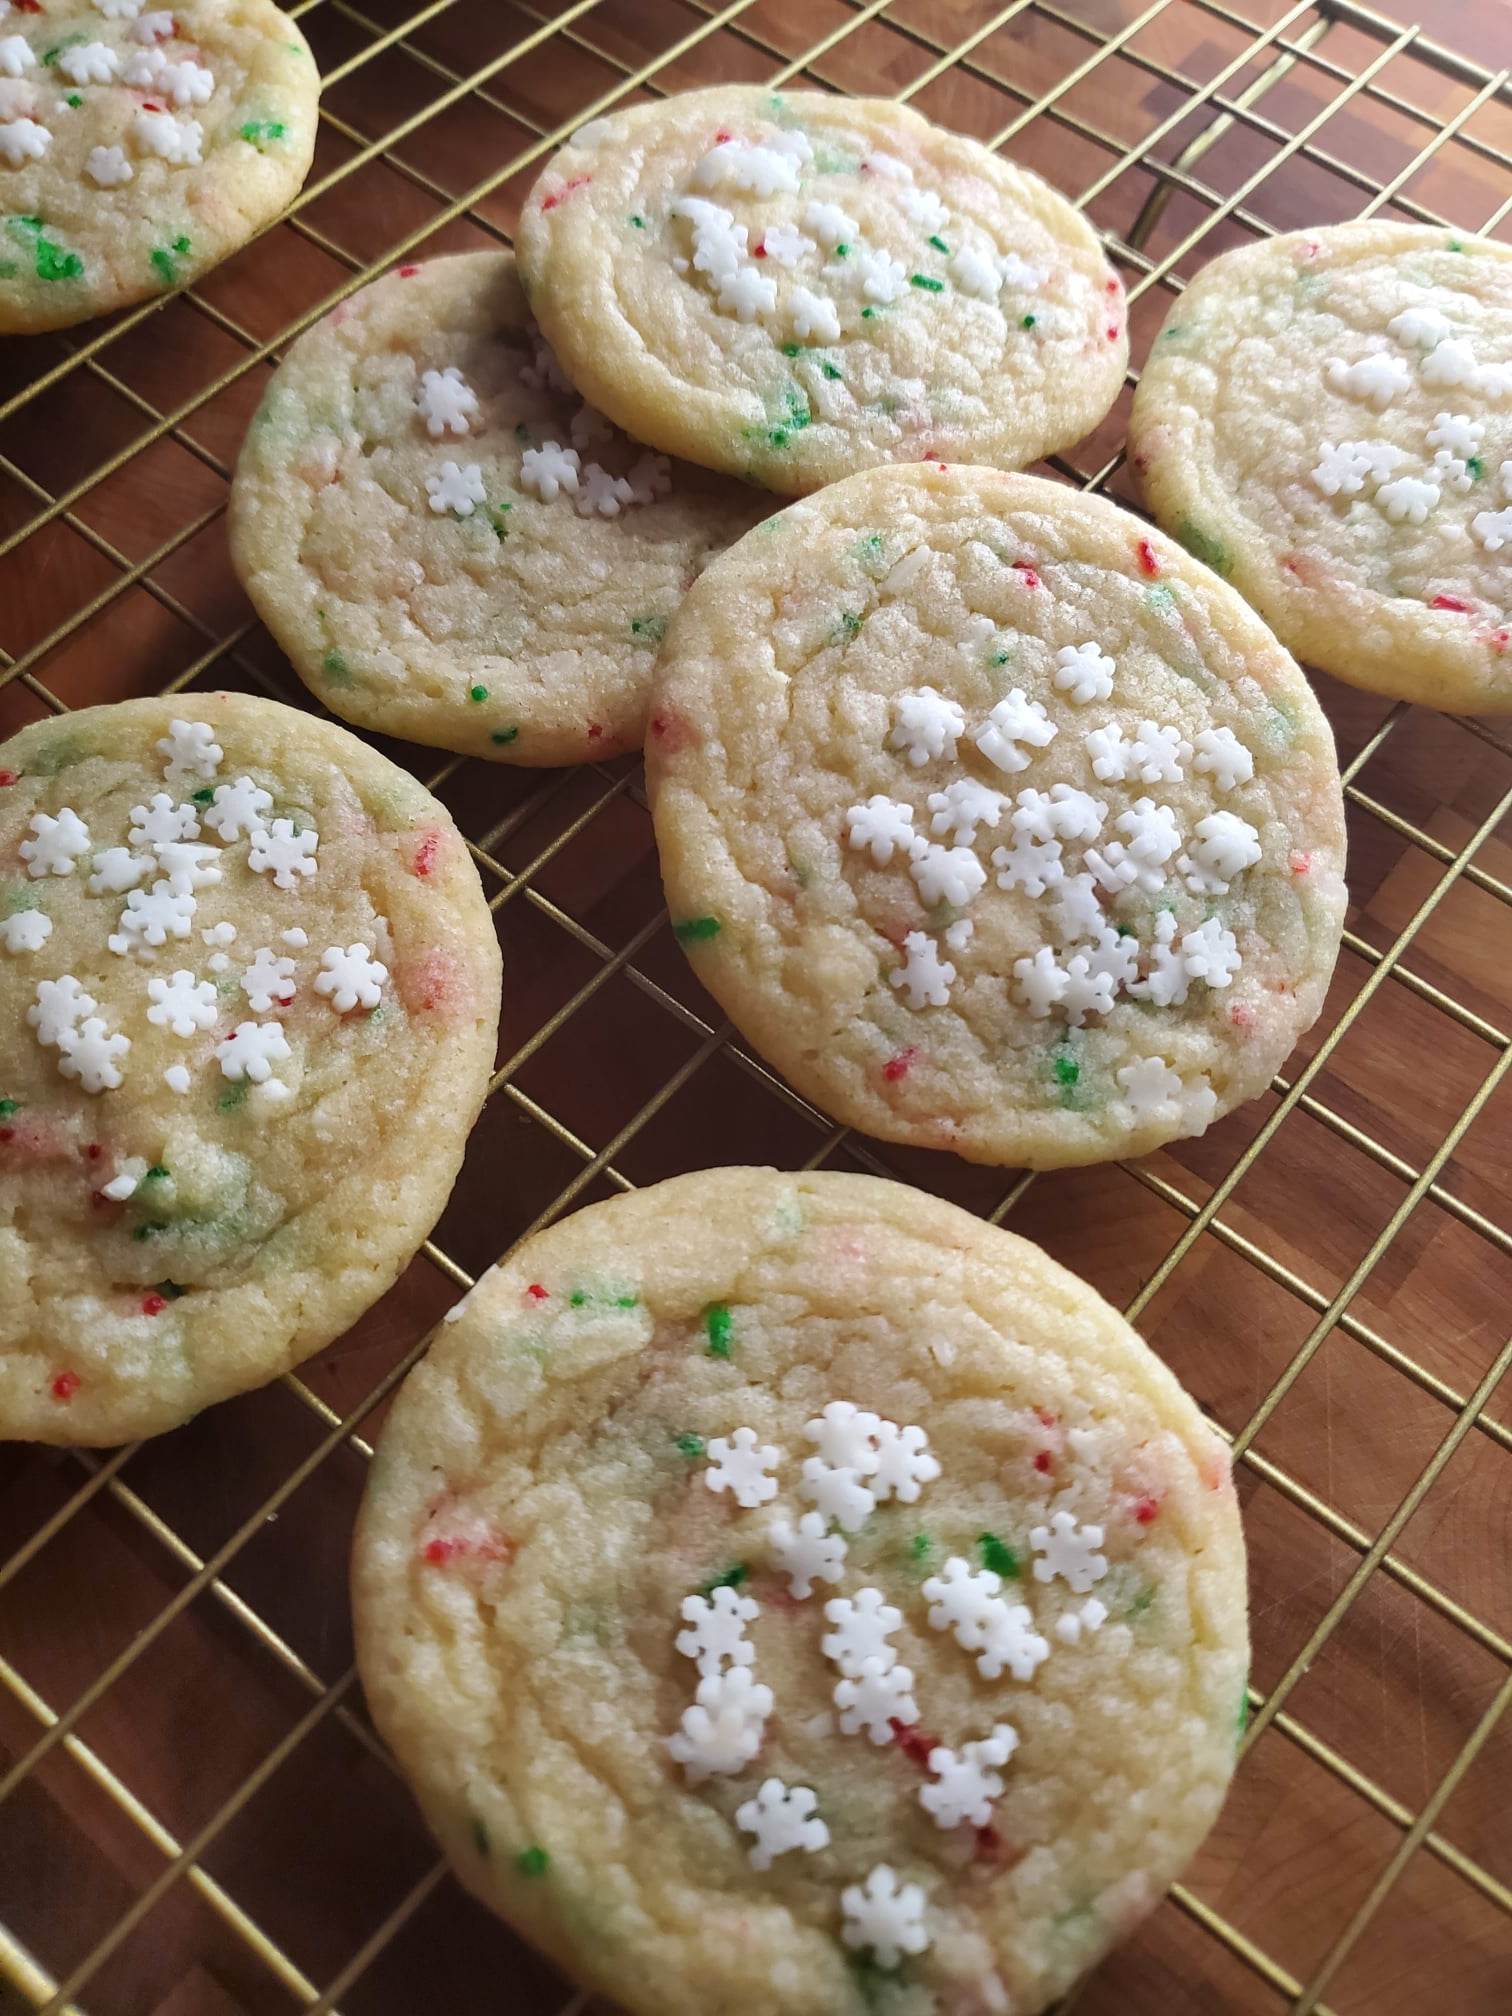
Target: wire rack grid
(1340, 1251)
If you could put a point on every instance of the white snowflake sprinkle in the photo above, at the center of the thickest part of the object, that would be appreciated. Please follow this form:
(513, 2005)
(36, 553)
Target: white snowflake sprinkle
(888, 165)
(964, 1601)
(782, 1818)
(22, 140)
(785, 245)
(16, 55)
(1166, 982)
(177, 1078)
(863, 1626)
(845, 1436)
(1156, 754)
(1422, 326)
(186, 83)
(1457, 432)
(118, 10)
(1075, 910)
(1223, 757)
(976, 273)
(1450, 362)
(883, 825)
(1407, 498)
(715, 1637)
(191, 755)
(830, 225)
(182, 1004)
(722, 1731)
(813, 317)
(737, 164)
(87, 63)
(1089, 989)
(962, 807)
(269, 981)
(924, 977)
(924, 208)
(60, 1005)
(89, 1052)
(967, 1782)
(807, 1553)
(187, 864)
(1223, 845)
(129, 1173)
(1149, 1084)
(237, 809)
(883, 1917)
(1072, 1624)
(877, 1695)
(1153, 837)
(448, 404)
(1010, 1643)
(1344, 470)
(1042, 980)
(162, 819)
(219, 934)
(25, 930)
(1376, 379)
(600, 495)
(1013, 720)
(883, 278)
(904, 1464)
(925, 725)
(739, 1465)
(1029, 864)
(1109, 753)
(459, 490)
(838, 1493)
(151, 917)
(1451, 473)
(56, 843)
(746, 294)
(1492, 529)
(1085, 672)
(350, 977)
(1211, 954)
(279, 851)
(947, 874)
(648, 478)
(251, 1051)
(108, 168)
(295, 938)
(590, 429)
(1069, 1550)
(179, 142)
(1062, 813)
(1019, 274)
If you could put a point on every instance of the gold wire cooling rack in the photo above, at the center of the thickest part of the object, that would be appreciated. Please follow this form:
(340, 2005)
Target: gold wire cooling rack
(195, 1817)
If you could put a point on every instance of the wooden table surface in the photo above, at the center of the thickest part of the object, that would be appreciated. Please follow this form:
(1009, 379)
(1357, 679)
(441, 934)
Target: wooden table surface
(1329, 1270)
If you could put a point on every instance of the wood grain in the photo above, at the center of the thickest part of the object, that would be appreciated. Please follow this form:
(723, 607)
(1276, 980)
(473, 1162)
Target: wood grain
(1283, 1283)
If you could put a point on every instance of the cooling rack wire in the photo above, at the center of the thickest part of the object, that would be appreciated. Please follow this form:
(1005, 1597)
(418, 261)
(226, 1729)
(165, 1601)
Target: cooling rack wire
(1223, 126)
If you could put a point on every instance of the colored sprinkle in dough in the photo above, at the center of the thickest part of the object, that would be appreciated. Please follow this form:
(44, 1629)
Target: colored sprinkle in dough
(1145, 1510)
(425, 854)
(648, 629)
(1147, 561)
(921, 1547)
(1204, 547)
(9, 1107)
(995, 1555)
(229, 1100)
(691, 1446)
(1027, 322)
(256, 131)
(696, 930)
(532, 1861)
(73, 100)
(1067, 1070)
(477, 693)
(537, 1293)
(923, 280)
(731, 1578)
(50, 260)
(939, 244)
(335, 666)
(899, 1066)
(154, 1304)
(503, 735)
(65, 1385)
(1475, 468)
(1043, 1462)
(718, 1324)
(1450, 602)
(164, 259)
(639, 223)
(480, 1836)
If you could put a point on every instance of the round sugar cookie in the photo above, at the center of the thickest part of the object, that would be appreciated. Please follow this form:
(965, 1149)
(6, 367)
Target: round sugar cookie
(249, 990)
(1326, 418)
(450, 545)
(140, 146)
(993, 820)
(791, 286)
(790, 1594)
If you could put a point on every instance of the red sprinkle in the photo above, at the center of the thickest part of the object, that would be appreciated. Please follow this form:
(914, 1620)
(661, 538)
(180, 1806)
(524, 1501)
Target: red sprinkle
(154, 1304)
(759, 251)
(494, 1547)
(1300, 863)
(900, 1066)
(576, 182)
(594, 731)
(9, 776)
(1112, 285)
(408, 272)
(913, 1742)
(29, 6)
(426, 852)
(672, 731)
(722, 135)
(1048, 1418)
(94, 1151)
(1146, 1509)
(1112, 332)
(1147, 561)
(65, 1385)
(991, 1847)
(1451, 602)
(1043, 1462)
(151, 105)
(537, 1293)
(1242, 1017)
(1031, 579)
(1499, 639)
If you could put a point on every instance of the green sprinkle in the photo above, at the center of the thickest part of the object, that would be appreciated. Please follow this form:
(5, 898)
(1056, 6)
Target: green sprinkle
(778, 437)
(626, 1301)
(1159, 596)
(205, 796)
(921, 1546)
(828, 370)
(718, 1324)
(939, 244)
(335, 666)
(161, 261)
(145, 1232)
(503, 735)
(867, 314)
(648, 629)
(1455, 245)
(578, 1297)
(691, 1446)
(792, 349)
(730, 1579)
(1027, 322)
(532, 1861)
(73, 100)
(477, 693)
(156, 1174)
(999, 1558)
(1203, 546)
(233, 1096)
(923, 280)
(696, 930)
(842, 251)
(848, 626)
(639, 223)
(181, 246)
(496, 514)
(256, 131)
(50, 261)
(1067, 1070)
(480, 1836)
(9, 1107)
(1142, 1601)
(1476, 467)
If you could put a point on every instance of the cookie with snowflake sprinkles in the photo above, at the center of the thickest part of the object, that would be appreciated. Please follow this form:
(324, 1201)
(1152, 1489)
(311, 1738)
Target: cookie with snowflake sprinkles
(139, 146)
(790, 1594)
(792, 286)
(249, 990)
(448, 543)
(1326, 418)
(993, 820)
